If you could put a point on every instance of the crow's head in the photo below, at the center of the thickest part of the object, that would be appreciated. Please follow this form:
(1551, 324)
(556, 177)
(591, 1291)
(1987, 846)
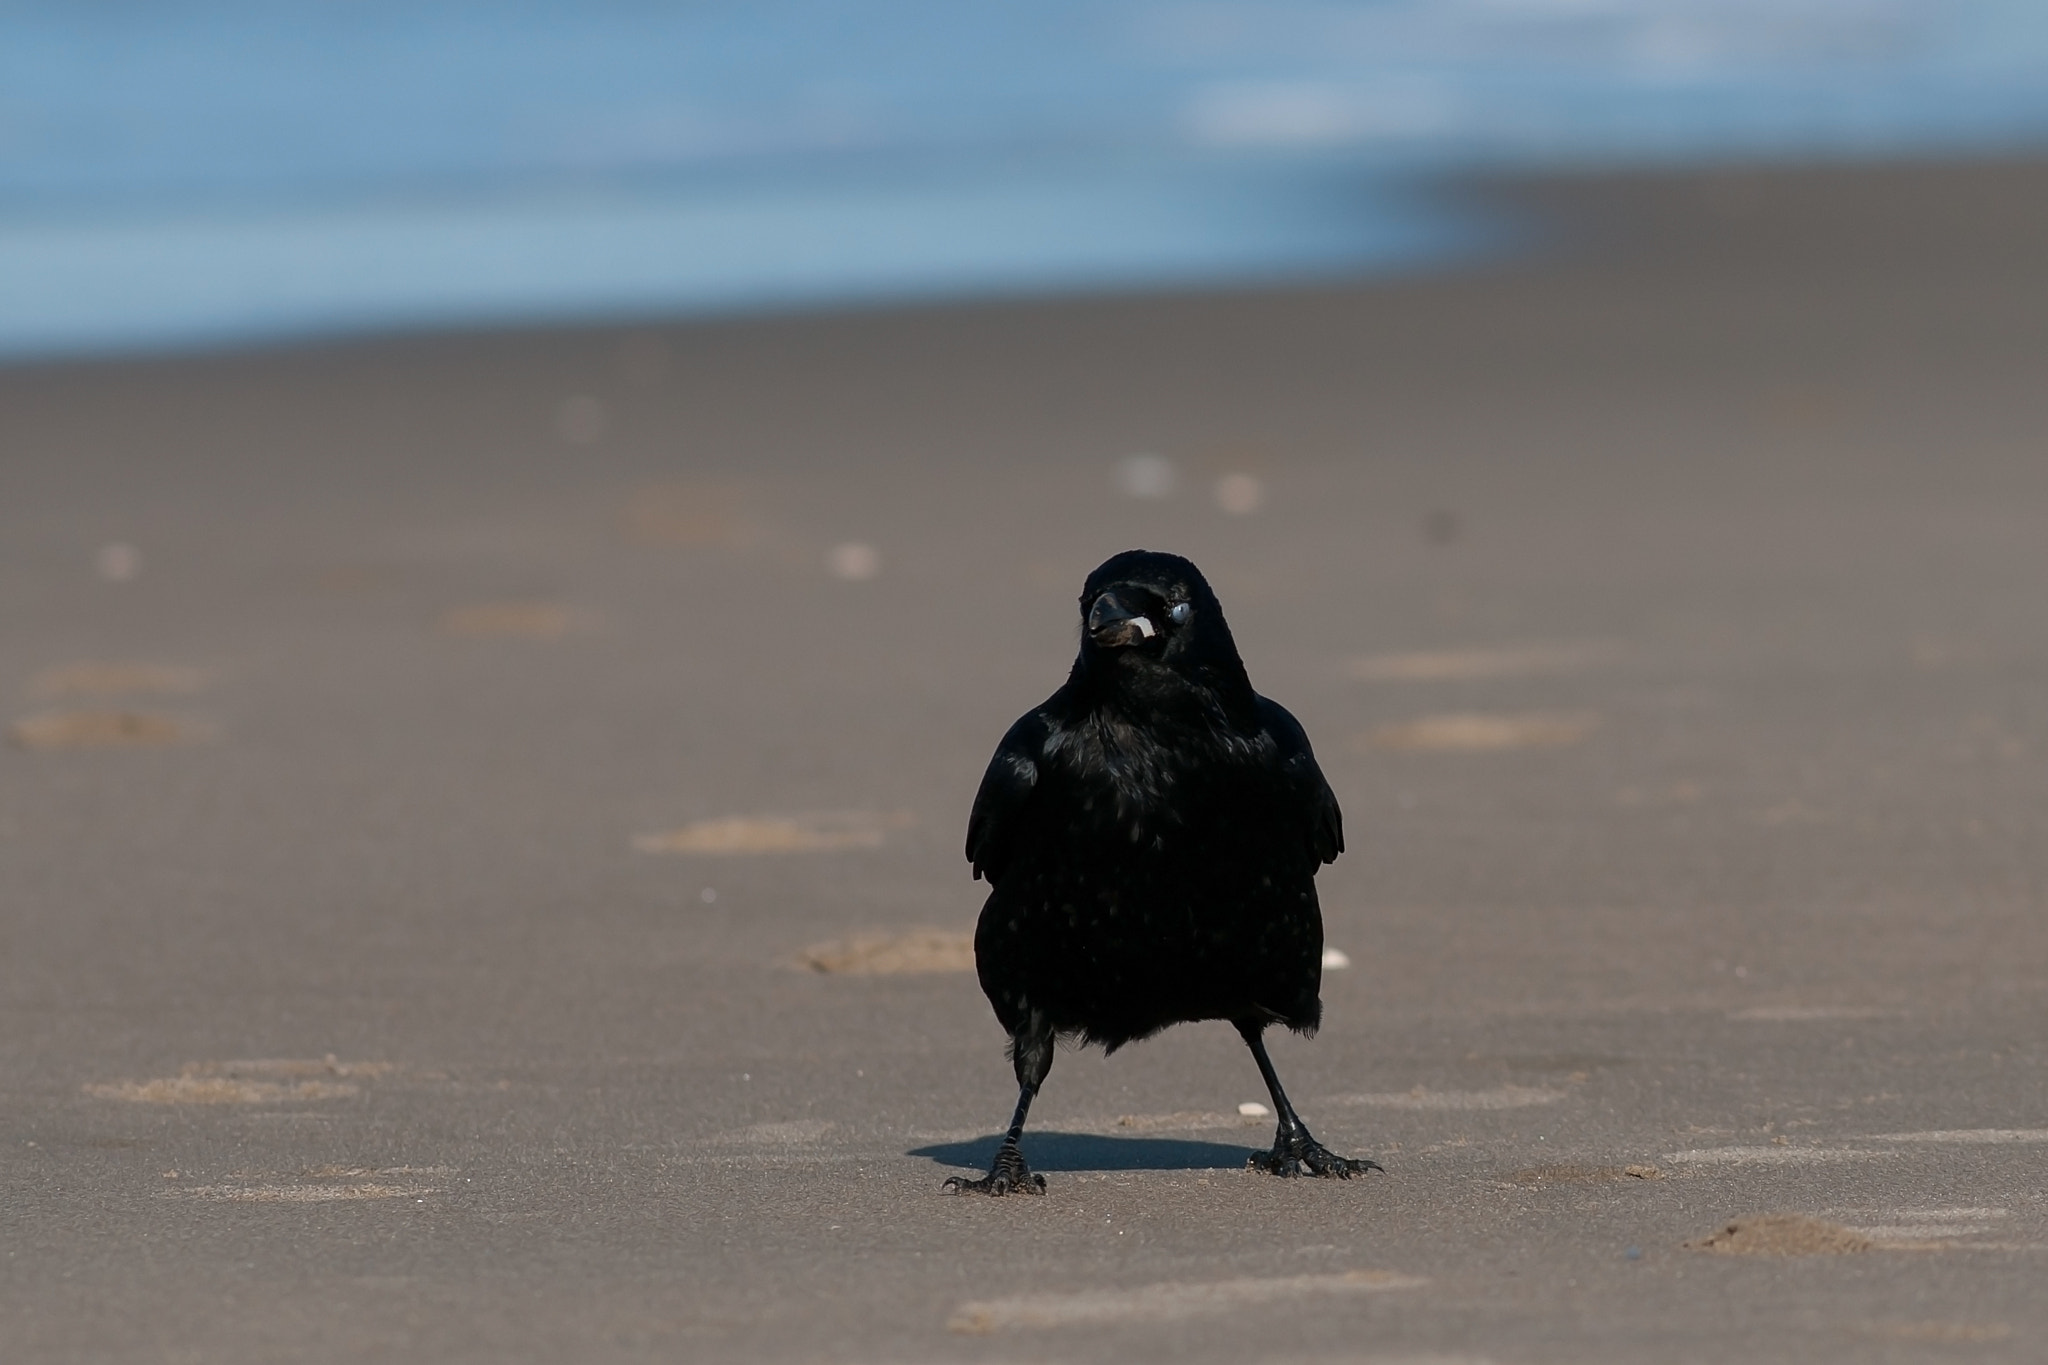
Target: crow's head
(1147, 610)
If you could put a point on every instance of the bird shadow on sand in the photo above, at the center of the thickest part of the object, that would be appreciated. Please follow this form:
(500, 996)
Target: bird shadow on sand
(1093, 1152)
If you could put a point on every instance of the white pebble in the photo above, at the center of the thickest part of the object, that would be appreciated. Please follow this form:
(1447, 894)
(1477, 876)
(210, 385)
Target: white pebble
(854, 562)
(117, 563)
(1335, 959)
(1252, 1109)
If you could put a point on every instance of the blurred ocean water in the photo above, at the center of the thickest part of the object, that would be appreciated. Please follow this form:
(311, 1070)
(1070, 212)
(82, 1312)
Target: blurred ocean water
(186, 173)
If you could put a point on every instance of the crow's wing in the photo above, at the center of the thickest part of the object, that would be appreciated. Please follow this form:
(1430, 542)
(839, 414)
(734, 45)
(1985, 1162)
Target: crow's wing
(1005, 790)
(1323, 823)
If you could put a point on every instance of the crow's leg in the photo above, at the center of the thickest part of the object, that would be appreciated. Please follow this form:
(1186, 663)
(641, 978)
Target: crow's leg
(1294, 1152)
(1031, 1055)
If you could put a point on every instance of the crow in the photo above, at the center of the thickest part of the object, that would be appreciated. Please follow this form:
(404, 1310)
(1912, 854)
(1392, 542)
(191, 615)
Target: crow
(1150, 836)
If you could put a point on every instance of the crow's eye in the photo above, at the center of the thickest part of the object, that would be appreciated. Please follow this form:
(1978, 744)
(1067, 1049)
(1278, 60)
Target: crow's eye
(1178, 613)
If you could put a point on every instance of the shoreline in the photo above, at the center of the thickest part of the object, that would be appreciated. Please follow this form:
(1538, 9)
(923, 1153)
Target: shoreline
(1488, 222)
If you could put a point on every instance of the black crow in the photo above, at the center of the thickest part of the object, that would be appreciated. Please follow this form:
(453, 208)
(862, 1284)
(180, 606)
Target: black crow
(1151, 836)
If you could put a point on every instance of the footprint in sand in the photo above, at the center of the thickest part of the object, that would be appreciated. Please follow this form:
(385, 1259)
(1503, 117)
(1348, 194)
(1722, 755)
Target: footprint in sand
(104, 679)
(1476, 733)
(260, 1081)
(812, 832)
(108, 727)
(890, 954)
(508, 621)
(789, 1133)
(1172, 1301)
(1781, 1234)
(706, 514)
(103, 729)
(318, 1185)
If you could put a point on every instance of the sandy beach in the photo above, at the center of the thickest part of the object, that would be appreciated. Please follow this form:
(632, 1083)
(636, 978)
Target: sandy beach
(480, 816)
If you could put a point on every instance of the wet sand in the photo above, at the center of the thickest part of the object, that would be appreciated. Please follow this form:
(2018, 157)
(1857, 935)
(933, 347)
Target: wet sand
(479, 827)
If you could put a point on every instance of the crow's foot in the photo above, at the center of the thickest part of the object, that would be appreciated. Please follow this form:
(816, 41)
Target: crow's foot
(1303, 1155)
(1009, 1175)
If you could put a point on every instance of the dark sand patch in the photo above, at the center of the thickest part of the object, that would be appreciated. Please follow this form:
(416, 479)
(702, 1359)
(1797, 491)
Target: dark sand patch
(508, 621)
(53, 730)
(114, 679)
(1781, 1234)
(888, 954)
(813, 832)
(1477, 733)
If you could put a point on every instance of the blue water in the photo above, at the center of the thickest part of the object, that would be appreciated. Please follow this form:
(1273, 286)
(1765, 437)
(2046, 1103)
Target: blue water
(181, 173)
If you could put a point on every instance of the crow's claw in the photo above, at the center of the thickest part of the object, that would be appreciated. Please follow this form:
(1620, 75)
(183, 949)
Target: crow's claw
(1306, 1156)
(1009, 1175)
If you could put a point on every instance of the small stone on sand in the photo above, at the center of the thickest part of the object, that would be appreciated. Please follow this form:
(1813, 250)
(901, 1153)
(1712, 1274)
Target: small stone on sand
(117, 563)
(854, 561)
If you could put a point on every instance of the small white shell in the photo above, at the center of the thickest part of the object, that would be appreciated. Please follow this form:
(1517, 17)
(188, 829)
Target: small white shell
(1252, 1109)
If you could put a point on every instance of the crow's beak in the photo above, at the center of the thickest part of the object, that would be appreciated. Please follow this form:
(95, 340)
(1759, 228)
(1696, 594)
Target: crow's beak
(1111, 624)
